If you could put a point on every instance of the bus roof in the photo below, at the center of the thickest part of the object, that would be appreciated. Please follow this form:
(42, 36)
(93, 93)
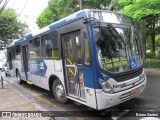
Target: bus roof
(76, 15)
(82, 13)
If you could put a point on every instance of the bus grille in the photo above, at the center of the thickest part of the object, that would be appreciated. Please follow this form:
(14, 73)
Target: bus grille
(128, 95)
(128, 76)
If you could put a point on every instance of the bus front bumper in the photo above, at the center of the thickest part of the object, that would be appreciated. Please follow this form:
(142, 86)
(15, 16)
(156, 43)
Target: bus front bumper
(105, 100)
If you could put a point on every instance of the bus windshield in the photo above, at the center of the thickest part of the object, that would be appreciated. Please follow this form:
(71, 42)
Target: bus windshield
(116, 47)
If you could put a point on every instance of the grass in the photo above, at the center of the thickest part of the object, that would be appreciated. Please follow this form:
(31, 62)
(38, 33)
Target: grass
(152, 63)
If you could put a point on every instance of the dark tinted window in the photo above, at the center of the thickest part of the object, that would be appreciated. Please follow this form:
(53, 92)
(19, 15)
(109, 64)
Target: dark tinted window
(35, 48)
(49, 44)
(87, 53)
(78, 48)
(111, 17)
(18, 52)
(13, 52)
(9, 56)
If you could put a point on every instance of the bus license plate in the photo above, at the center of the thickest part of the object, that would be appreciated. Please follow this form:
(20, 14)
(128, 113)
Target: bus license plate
(134, 91)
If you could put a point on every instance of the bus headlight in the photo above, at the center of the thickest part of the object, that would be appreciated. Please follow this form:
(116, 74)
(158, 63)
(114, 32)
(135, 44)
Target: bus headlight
(105, 86)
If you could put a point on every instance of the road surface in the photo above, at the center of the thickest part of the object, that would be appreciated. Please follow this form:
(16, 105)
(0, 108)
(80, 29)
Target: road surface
(149, 100)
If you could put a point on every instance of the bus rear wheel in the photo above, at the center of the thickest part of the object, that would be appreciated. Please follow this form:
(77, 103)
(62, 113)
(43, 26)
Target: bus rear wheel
(58, 91)
(19, 78)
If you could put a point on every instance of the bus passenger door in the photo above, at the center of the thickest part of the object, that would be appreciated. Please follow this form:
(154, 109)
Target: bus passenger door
(72, 54)
(25, 60)
(9, 62)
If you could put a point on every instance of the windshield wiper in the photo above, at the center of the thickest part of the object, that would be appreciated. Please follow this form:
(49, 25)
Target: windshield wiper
(121, 38)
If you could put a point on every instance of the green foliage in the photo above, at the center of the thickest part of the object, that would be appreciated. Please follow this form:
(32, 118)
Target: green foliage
(157, 46)
(152, 63)
(99, 4)
(147, 12)
(45, 18)
(158, 42)
(10, 27)
(150, 55)
(58, 9)
(139, 8)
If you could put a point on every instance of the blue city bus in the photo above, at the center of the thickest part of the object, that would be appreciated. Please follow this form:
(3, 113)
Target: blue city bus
(93, 57)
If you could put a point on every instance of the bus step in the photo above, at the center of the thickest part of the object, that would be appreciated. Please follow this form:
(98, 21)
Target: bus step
(29, 82)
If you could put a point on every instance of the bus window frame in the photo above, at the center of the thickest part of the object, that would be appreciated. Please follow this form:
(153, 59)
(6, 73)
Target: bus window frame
(59, 45)
(116, 75)
(29, 45)
(14, 50)
(85, 31)
(26, 43)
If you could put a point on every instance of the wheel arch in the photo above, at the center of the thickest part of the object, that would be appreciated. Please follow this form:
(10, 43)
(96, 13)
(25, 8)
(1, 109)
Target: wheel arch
(52, 78)
(16, 70)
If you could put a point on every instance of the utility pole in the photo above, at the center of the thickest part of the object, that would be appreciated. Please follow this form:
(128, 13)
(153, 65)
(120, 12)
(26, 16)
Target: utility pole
(80, 4)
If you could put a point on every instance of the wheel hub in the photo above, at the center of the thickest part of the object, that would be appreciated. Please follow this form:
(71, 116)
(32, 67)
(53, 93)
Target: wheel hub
(59, 91)
(18, 78)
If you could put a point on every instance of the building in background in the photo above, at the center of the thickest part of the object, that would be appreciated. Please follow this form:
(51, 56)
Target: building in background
(3, 59)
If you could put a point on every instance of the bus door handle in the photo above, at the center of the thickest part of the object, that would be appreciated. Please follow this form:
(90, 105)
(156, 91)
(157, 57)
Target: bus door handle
(75, 68)
(70, 66)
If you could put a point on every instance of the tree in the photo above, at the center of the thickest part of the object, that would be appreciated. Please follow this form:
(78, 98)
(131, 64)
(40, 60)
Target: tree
(100, 4)
(147, 12)
(46, 18)
(10, 27)
(58, 9)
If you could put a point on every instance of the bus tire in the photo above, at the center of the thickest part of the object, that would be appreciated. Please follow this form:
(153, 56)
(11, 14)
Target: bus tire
(58, 91)
(19, 78)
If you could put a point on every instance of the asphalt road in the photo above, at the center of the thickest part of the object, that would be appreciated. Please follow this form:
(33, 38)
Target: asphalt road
(149, 100)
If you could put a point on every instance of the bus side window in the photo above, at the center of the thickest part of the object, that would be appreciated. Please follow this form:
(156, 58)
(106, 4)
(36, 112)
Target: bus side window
(35, 48)
(9, 57)
(87, 53)
(17, 52)
(49, 44)
(13, 53)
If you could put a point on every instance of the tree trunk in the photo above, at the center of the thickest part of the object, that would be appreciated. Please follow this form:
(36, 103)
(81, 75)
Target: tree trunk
(153, 37)
(153, 42)
(143, 38)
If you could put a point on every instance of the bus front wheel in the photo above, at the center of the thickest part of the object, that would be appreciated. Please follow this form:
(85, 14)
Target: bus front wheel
(58, 91)
(18, 78)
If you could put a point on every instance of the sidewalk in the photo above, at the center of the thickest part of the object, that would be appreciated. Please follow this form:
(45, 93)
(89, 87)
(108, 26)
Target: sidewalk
(152, 71)
(10, 100)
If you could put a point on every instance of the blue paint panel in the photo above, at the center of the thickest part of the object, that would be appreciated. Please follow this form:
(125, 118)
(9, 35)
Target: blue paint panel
(82, 13)
(102, 76)
(37, 67)
(88, 77)
(61, 22)
(10, 66)
(34, 67)
(133, 63)
(17, 42)
(95, 68)
(29, 36)
(68, 19)
(43, 68)
(89, 80)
